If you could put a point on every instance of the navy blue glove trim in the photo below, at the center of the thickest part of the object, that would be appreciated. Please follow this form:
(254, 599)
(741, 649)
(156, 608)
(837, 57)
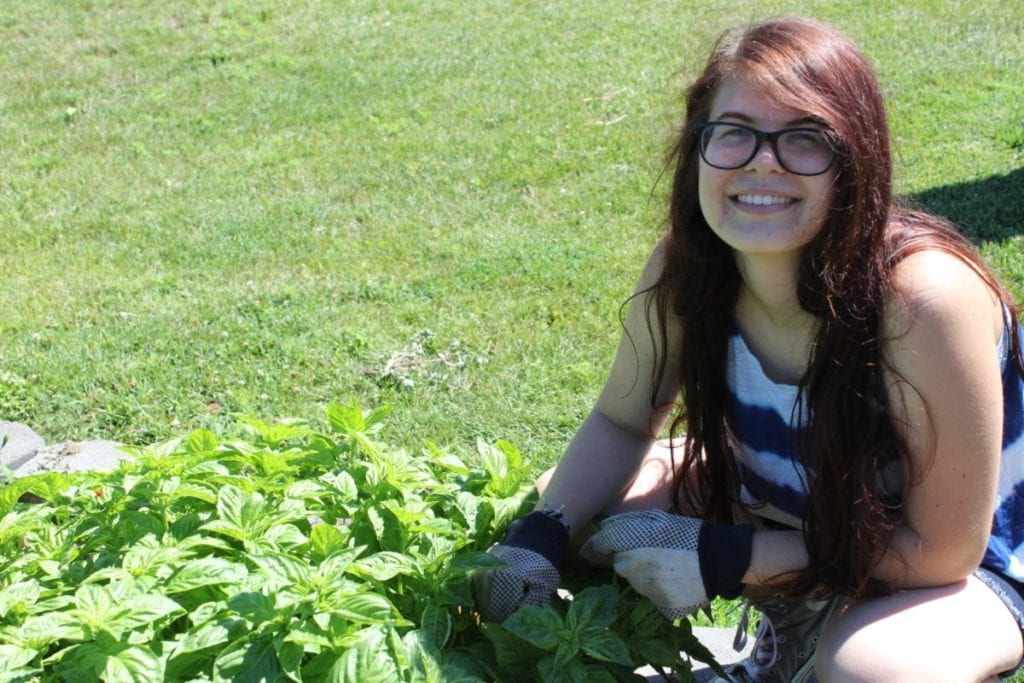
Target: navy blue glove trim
(543, 533)
(724, 554)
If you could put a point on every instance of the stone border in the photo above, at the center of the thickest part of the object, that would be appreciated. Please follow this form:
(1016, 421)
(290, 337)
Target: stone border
(24, 452)
(720, 642)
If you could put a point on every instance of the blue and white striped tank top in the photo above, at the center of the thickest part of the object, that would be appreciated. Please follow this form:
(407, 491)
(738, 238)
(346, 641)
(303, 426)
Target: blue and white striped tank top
(774, 481)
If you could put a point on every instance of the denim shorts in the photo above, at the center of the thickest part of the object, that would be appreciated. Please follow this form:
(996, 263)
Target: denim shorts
(1012, 594)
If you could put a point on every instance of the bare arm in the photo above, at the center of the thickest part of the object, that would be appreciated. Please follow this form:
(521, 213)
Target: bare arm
(952, 423)
(604, 455)
(942, 334)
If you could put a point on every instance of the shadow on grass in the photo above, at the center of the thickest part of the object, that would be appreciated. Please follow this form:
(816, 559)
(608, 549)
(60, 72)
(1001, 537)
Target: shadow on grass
(988, 210)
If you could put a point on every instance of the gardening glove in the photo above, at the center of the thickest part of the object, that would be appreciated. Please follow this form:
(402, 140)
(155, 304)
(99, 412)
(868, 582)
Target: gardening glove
(680, 563)
(534, 548)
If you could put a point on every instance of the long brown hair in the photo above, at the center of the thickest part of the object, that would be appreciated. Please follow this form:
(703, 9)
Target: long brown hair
(844, 279)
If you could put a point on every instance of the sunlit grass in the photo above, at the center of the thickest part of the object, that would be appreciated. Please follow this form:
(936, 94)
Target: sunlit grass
(257, 207)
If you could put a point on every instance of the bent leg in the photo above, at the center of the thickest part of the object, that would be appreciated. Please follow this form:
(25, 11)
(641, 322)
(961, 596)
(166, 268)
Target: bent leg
(961, 632)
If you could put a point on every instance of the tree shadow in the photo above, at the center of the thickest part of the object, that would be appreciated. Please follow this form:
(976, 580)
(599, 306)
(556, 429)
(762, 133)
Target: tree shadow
(987, 210)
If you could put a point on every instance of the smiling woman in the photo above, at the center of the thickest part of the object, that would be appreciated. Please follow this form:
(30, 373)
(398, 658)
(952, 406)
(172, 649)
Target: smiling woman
(751, 194)
(850, 378)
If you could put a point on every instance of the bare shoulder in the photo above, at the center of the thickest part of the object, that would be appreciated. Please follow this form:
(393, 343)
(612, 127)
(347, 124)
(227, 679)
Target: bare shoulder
(627, 395)
(655, 265)
(936, 293)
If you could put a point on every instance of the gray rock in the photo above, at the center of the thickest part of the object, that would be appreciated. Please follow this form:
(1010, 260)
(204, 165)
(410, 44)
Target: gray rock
(74, 456)
(719, 641)
(20, 444)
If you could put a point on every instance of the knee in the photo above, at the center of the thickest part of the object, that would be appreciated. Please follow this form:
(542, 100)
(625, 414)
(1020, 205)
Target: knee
(847, 653)
(856, 648)
(844, 654)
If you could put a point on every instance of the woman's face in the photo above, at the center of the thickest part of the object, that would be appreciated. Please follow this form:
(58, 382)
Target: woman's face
(760, 208)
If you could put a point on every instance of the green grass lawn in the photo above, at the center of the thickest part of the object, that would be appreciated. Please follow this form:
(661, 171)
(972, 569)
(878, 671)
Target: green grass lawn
(258, 207)
(220, 207)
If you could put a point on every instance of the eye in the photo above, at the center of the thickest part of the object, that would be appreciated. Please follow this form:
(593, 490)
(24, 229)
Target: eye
(805, 139)
(729, 134)
(733, 132)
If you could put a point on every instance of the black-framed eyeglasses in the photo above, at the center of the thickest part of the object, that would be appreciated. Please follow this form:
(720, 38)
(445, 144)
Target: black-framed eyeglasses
(803, 151)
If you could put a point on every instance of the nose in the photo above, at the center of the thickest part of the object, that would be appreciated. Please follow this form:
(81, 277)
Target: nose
(765, 158)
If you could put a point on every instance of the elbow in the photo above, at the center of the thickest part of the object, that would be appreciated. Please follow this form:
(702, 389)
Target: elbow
(954, 572)
(606, 421)
(923, 563)
(960, 555)
(948, 565)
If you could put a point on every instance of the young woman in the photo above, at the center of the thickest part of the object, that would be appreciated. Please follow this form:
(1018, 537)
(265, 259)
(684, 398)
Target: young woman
(851, 388)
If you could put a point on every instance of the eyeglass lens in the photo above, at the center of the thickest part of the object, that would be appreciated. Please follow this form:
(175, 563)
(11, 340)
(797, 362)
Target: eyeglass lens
(804, 151)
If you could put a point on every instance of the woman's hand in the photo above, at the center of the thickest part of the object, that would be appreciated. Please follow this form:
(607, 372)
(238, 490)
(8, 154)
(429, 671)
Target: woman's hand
(680, 563)
(534, 548)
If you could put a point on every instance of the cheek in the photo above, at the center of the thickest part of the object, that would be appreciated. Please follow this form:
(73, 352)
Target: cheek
(825, 198)
(709, 196)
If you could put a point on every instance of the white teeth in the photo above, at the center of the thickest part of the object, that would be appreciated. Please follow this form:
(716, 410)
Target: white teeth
(763, 199)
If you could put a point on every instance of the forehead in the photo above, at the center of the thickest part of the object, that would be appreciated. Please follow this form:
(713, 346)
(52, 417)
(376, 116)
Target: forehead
(740, 99)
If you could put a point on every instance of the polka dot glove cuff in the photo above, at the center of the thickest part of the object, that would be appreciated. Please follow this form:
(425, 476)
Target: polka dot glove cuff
(533, 548)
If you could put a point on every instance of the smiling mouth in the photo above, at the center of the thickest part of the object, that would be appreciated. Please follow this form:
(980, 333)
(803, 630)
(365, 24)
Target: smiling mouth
(763, 199)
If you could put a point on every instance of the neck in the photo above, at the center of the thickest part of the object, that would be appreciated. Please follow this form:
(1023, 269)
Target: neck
(770, 285)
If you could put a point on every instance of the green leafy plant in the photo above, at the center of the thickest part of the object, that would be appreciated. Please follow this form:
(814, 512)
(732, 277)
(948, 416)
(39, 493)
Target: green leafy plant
(294, 554)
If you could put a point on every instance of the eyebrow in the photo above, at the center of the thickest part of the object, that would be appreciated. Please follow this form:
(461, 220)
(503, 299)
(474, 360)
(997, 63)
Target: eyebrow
(801, 120)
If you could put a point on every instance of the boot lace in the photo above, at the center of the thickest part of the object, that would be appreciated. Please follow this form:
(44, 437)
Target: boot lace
(766, 645)
(784, 643)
